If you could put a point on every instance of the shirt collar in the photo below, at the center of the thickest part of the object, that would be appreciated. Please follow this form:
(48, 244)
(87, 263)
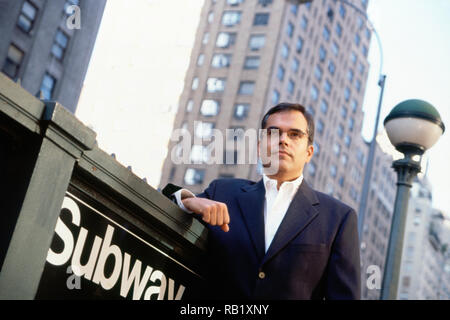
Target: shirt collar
(270, 184)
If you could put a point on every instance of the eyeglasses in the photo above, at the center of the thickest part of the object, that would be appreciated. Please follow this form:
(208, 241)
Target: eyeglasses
(293, 134)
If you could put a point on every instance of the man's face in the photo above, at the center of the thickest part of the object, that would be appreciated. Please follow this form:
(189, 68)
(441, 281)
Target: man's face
(293, 150)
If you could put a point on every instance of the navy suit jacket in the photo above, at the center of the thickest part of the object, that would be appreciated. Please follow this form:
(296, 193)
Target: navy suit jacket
(314, 254)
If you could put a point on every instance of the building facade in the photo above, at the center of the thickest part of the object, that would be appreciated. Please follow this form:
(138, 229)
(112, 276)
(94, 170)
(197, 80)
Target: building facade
(47, 45)
(251, 55)
(424, 273)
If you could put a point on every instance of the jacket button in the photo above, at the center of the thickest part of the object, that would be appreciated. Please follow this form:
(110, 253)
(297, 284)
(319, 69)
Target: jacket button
(261, 275)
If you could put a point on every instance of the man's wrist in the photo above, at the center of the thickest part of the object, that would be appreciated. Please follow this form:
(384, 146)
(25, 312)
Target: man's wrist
(181, 195)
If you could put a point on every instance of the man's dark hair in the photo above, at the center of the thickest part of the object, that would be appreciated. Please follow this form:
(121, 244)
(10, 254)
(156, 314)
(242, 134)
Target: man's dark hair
(285, 106)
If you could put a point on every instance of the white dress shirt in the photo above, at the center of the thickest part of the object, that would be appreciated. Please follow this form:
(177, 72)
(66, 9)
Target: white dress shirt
(275, 205)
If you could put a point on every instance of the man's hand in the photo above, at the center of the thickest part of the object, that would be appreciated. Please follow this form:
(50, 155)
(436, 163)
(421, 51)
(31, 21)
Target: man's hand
(212, 212)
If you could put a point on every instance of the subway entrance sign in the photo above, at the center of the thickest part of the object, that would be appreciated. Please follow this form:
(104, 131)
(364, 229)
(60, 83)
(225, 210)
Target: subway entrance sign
(77, 224)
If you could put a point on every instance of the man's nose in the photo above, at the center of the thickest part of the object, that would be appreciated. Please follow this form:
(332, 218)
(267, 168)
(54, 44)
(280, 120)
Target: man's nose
(283, 137)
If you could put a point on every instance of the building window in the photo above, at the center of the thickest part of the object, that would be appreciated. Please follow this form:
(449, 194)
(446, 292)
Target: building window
(351, 124)
(316, 149)
(294, 9)
(13, 62)
(199, 154)
(285, 51)
(353, 57)
(311, 110)
(331, 67)
(314, 93)
(326, 33)
(324, 106)
(210, 17)
(350, 75)
(234, 2)
(291, 86)
(347, 140)
(194, 83)
(194, 176)
(354, 105)
(357, 39)
(344, 112)
(257, 42)
(299, 45)
(340, 130)
(367, 33)
(241, 111)
(215, 85)
(330, 14)
(320, 126)
(206, 38)
(204, 129)
(261, 19)
(68, 4)
(275, 97)
(364, 51)
(48, 86)
(246, 87)
(280, 73)
(200, 59)
(335, 48)
(342, 11)
(333, 170)
(361, 68)
(347, 94)
(327, 86)
(190, 105)
(225, 39)
(209, 108)
(322, 53)
(358, 85)
(304, 23)
(252, 63)
(265, 2)
(290, 29)
(295, 65)
(231, 18)
(60, 45)
(318, 73)
(344, 159)
(27, 17)
(338, 29)
(221, 60)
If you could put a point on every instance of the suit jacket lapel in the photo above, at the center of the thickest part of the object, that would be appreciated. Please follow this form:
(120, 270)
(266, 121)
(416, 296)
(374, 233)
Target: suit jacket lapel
(299, 214)
(251, 202)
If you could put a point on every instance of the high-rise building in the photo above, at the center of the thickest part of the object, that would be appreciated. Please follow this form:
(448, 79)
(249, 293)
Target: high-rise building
(249, 56)
(378, 218)
(425, 269)
(47, 45)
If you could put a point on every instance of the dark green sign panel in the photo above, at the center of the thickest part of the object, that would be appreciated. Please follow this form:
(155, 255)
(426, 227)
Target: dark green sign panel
(95, 255)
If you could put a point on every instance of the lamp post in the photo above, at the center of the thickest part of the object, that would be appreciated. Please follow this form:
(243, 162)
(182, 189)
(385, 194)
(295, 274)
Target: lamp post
(413, 126)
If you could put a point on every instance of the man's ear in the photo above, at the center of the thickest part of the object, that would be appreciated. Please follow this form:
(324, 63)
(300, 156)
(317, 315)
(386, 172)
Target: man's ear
(310, 152)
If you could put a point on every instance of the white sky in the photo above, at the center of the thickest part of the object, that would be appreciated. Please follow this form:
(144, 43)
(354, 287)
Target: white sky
(136, 76)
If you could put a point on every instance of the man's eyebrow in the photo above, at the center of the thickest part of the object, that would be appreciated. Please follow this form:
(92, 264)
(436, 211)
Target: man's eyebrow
(291, 129)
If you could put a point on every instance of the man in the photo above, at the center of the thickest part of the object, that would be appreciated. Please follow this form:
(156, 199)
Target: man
(278, 238)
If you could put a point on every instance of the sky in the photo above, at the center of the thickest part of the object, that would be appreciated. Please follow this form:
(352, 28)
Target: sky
(142, 52)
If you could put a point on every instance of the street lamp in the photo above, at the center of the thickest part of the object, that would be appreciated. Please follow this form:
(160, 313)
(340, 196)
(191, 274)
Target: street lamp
(413, 126)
